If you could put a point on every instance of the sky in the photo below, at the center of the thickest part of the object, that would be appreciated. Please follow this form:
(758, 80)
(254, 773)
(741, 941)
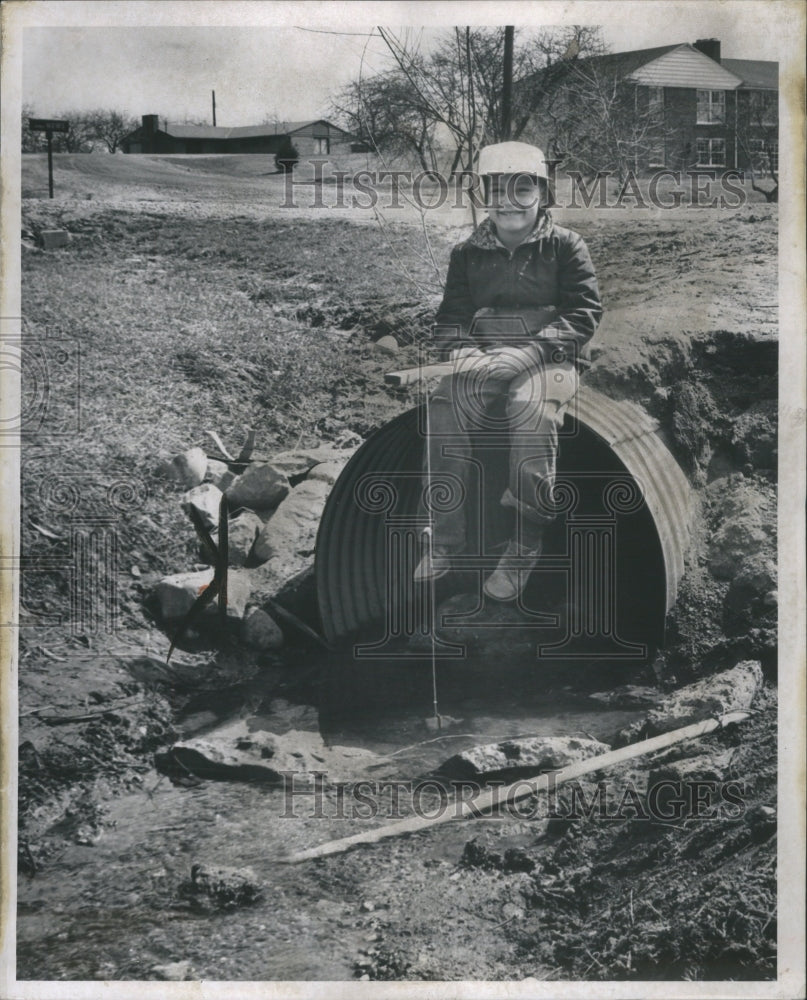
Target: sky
(286, 61)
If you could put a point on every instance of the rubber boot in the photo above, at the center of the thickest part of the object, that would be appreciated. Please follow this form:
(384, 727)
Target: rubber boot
(509, 579)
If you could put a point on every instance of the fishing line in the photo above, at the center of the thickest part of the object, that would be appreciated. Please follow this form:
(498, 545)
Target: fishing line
(429, 532)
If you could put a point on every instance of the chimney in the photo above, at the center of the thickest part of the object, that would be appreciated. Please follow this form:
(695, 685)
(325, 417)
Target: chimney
(151, 124)
(709, 47)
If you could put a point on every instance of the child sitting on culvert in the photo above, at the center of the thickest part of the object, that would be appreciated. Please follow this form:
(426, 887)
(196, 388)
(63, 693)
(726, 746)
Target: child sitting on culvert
(520, 305)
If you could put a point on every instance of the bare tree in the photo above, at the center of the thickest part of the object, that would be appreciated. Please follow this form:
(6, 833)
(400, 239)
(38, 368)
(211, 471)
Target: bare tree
(590, 117)
(110, 127)
(454, 89)
(32, 142)
(387, 112)
(757, 135)
(79, 137)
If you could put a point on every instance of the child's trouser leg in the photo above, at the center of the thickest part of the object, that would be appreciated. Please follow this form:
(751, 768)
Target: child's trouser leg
(536, 404)
(457, 409)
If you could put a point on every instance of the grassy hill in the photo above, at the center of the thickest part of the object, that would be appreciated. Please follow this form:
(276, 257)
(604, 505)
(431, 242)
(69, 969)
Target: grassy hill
(126, 177)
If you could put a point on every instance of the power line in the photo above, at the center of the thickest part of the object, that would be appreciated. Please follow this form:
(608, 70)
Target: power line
(322, 31)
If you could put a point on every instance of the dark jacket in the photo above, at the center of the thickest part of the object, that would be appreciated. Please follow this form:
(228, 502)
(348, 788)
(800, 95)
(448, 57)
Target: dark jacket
(543, 295)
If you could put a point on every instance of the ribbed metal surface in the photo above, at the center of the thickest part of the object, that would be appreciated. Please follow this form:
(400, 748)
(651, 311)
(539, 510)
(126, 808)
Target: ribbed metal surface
(631, 435)
(352, 542)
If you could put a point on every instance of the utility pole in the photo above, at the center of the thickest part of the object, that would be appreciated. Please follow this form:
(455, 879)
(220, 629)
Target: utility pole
(507, 87)
(213, 92)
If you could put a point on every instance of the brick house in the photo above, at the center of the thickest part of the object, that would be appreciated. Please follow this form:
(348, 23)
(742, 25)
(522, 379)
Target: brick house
(683, 106)
(311, 138)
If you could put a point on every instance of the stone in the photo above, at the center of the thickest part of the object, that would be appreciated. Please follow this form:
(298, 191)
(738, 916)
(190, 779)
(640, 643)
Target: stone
(188, 468)
(532, 754)
(242, 531)
(176, 594)
(222, 888)
(173, 972)
(53, 239)
(299, 462)
(205, 499)
(386, 345)
(327, 472)
(291, 531)
(216, 471)
(237, 753)
(731, 690)
(261, 487)
(261, 631)
(277, 578)
(628, 696)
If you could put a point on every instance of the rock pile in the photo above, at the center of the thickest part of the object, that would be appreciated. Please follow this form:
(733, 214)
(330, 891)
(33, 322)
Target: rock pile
(275, 505)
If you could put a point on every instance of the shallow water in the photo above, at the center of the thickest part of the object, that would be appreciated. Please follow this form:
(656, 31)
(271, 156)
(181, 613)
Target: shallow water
(112, 910)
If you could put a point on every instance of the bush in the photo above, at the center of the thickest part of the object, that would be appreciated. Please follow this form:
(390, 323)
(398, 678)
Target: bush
(286, 156)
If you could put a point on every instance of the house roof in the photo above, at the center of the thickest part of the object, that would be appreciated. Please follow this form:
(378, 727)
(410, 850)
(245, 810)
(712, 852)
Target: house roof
(682, 65)
(241, 131)
(685, 66)
(628, 62)
(755, 73)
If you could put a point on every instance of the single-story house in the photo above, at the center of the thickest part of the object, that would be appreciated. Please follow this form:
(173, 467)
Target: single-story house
(311, 138)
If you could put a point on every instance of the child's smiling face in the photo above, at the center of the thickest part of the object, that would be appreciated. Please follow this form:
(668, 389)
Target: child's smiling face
(514, 201)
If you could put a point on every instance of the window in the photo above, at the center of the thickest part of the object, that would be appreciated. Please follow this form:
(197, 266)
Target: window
(764, 154)
(655, 100)
(322, 146)
(763, 107)
(711, 152)
(711, 107)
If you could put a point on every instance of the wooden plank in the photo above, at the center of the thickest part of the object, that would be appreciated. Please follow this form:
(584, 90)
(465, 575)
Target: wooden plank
(408, 376)
(496, 797)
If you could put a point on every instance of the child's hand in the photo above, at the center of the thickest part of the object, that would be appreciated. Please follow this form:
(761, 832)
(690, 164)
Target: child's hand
(506, 363)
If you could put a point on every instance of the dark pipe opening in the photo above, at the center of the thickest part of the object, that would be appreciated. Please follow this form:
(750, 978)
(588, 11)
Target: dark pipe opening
(609, 622)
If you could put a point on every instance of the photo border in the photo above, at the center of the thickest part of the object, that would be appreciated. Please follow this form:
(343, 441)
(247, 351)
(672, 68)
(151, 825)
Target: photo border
(787, 18)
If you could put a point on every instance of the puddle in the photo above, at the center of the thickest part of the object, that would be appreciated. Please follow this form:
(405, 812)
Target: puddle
(112, 910)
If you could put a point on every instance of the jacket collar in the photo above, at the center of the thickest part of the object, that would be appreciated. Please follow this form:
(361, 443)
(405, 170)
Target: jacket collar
(484, 236)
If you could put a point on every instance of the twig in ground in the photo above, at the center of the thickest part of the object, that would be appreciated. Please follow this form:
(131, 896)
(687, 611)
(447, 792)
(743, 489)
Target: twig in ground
(218, 585)
(53, 656)
(594, 961)
(218, 442)
(436, 739)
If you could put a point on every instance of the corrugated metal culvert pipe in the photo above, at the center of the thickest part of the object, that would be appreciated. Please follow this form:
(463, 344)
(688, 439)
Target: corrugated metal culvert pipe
(606, 579)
